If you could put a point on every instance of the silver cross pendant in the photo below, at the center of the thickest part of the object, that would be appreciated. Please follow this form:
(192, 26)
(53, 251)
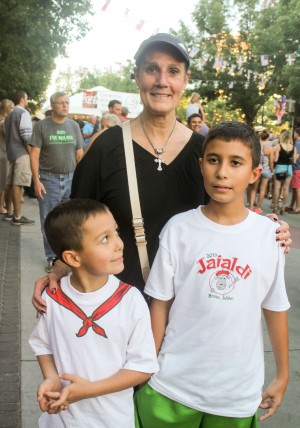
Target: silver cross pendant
(159, 161)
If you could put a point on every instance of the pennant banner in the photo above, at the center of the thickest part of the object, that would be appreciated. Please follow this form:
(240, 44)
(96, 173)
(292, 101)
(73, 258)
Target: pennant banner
(104, 7)
(140, 24)
(193, 52)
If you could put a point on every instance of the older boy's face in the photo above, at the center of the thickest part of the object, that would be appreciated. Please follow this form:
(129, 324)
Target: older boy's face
(102, 252)
(227, 170)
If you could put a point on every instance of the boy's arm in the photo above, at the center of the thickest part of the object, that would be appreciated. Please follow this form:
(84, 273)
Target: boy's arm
(277, 325)
(51, 381)
(80, 388)
(159, 312)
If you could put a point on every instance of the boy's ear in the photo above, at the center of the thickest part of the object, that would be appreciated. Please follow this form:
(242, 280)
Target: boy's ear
(71, 258)
(256, 172)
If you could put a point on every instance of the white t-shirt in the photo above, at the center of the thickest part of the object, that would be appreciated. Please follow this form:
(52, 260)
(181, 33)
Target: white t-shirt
(220, 276)
(128, 345)
(192, 108)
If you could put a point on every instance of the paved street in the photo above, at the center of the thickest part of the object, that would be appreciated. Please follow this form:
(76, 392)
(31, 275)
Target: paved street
(22, 261)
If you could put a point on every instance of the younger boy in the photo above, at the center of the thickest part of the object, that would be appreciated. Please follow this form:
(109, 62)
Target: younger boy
(95, 326)
(216, 268)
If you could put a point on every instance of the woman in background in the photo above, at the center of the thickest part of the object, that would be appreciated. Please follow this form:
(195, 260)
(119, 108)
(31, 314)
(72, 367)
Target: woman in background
(285, 155)
(195, 106)
(6, 106)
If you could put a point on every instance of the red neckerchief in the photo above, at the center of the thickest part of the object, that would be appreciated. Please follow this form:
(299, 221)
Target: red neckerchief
(62, 299)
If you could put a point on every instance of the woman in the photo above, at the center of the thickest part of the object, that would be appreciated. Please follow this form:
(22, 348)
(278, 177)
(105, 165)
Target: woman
(6, 106)
(285, 155)
(166, 155)
(107, 120)
(195, 106)
(268, 166)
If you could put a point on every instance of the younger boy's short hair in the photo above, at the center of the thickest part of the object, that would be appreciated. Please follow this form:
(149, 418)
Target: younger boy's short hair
(228, 131)
(63, 225)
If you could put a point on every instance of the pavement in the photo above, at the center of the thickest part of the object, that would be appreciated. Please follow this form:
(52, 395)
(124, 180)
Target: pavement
(22, 261)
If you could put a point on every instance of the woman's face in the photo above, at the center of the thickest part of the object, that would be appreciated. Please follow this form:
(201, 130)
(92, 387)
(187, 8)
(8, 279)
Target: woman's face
(161, 79)
(9, 109)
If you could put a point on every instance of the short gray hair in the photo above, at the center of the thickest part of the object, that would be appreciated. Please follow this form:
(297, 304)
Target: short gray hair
(57, 95)
(110, 116)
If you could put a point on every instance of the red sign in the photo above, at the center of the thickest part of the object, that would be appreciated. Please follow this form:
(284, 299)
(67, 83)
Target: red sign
(89, 100)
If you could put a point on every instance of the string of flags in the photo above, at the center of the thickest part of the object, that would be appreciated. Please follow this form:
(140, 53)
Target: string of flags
(220, 63)
(268, 3)
(237, 66)
(139, 24)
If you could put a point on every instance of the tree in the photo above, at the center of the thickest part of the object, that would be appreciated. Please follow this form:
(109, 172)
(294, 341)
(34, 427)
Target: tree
(83, 79)
(32, 34)
(231, 62)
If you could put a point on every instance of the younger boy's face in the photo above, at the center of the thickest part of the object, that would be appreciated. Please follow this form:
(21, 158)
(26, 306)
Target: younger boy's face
(102, 248)
(227, 170)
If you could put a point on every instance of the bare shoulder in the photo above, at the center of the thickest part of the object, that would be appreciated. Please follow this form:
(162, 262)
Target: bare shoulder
(183, 132)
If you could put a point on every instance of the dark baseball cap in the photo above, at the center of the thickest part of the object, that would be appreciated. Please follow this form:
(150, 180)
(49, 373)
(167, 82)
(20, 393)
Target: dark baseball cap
(164, 39)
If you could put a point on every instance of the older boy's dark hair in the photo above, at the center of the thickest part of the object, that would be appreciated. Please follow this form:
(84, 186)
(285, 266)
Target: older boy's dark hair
(228, 131)
(63, 225)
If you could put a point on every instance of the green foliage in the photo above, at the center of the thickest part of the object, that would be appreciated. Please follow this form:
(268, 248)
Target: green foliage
(119, 82)
(246, 84)
(32, 34)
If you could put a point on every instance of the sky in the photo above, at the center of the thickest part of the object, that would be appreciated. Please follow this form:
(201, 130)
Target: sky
(113, 37)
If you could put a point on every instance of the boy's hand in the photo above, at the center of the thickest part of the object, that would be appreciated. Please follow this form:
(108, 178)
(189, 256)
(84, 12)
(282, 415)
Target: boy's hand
(48, 385)
(272, 398)
(78, 389)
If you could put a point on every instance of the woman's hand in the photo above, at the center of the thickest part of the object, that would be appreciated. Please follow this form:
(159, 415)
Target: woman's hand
(51, 280)
(282, 233)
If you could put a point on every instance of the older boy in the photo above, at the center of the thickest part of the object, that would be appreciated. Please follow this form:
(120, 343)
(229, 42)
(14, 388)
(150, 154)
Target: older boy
(96, 326)
(215, 270)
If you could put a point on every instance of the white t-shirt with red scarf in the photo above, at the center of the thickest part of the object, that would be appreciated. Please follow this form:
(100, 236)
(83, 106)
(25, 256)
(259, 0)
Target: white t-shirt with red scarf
(94, 335)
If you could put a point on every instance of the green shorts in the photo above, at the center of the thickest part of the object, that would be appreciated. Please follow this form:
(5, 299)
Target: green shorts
(153, 409)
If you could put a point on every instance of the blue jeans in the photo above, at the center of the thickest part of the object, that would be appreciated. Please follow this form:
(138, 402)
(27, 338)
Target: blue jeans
(58, 189)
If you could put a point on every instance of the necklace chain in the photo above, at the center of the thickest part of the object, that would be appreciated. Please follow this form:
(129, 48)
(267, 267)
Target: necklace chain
(158, 151)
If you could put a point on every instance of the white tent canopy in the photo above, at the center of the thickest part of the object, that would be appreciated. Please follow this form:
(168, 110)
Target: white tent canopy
(99, 100)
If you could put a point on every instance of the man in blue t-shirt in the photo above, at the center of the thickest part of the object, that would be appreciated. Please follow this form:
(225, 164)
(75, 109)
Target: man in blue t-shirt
(88, 129)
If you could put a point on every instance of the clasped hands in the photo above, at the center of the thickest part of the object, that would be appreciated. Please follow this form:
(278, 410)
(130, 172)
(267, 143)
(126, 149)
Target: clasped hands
(53, 397)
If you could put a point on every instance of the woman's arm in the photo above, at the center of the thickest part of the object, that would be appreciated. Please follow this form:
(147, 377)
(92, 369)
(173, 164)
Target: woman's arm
(276, 152)
(271, 158)
(295, 155)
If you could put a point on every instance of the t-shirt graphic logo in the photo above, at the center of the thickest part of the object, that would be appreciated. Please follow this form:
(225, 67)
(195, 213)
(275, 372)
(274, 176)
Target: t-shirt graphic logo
(222, 282)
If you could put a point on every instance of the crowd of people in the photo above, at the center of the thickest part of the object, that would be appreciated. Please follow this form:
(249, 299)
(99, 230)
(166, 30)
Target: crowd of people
(96, 339)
